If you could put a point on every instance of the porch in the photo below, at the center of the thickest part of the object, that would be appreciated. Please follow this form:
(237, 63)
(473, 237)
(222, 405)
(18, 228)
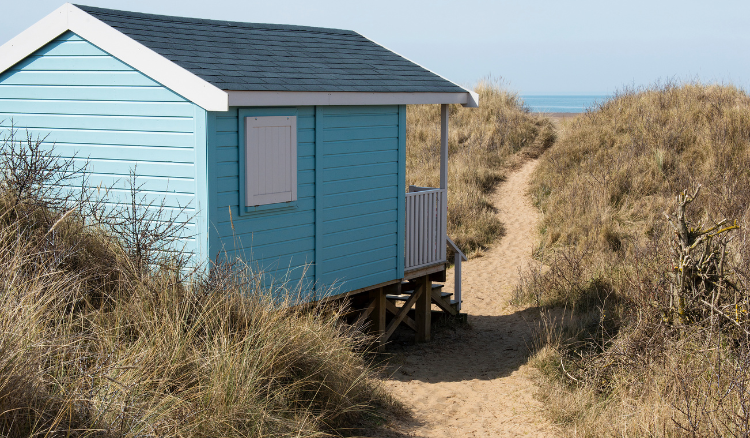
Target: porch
(412, 300)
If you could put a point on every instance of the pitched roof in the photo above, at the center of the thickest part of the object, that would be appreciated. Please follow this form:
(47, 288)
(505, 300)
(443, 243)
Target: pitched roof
(218, 64)
(270, 57)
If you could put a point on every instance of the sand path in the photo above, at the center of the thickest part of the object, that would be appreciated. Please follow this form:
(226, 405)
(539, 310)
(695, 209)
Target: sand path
(475, 382)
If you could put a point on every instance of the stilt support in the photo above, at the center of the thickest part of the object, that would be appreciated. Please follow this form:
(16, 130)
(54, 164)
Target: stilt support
(423, 309)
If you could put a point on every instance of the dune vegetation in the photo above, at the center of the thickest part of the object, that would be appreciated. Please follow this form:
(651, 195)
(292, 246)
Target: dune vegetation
(101, 339)
(483, 144)
(646, 211)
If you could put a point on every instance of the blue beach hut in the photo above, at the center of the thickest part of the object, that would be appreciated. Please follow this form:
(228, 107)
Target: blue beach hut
(287, 143)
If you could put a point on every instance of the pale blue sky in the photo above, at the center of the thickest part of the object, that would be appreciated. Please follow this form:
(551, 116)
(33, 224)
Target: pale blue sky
(536, 46)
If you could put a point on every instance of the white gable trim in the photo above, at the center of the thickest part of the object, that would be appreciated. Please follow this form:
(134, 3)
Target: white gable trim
(70, 18)
(294, 98)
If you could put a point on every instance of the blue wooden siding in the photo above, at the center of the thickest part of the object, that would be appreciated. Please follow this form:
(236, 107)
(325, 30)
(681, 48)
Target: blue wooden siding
(344, 228)
(278, 239)
(360, 195)
(95, 107)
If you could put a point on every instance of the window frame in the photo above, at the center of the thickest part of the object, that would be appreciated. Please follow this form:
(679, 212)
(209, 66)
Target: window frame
(242, 115)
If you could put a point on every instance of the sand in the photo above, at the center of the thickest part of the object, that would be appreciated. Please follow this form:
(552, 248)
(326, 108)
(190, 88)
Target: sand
(475, 382)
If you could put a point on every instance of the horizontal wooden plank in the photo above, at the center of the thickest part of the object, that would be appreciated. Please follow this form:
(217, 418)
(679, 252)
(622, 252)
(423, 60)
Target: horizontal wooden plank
(89, 93)
(72, 63)
(232, 197)
(232, 184)
(223, 227)
(144, 168)
(231, 168)
(356, 184)
(355, 146)
(135, 153)
(348, 111)
(362, 171)
(359, 197)
(109, 123)
(227, 139)
(224, 139)
(358, 209)
(70, 48)
(353, 281)
(231, 124)
(114, 138)
(358, 246)
(226, 124)
(367, 120)
(251, 238)
(372, 268)
(115, 78)
(104, 108)
(302, 205)
(358, 159)
(334, 225)
(273, 251)
(349, 134)
(186, 215)
(360, 258)
(148, 183)
(225, 154)
(360, 233)
(171, 200)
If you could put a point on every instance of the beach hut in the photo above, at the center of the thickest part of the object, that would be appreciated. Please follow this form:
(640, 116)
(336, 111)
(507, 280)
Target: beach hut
(285, 144)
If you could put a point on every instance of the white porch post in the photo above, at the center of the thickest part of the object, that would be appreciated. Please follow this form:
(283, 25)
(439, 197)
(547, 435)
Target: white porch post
(444, 174)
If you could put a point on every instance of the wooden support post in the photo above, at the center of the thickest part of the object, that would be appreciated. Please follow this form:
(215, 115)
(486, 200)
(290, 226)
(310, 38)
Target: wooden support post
(444, 111)
(377, 315)
(423, 309)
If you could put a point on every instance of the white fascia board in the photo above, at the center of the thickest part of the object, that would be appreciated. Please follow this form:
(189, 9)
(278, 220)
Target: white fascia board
(472, 101)
(34, 38)
(119, 45)
(304, 98)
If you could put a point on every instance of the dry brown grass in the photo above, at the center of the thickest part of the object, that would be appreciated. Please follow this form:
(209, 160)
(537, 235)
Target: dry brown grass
(630, 368)
(154, 356)
(483, 144)
(90, 346)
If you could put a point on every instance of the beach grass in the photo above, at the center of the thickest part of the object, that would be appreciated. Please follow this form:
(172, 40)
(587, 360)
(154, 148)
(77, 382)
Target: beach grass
(483, 144)
(639, 350)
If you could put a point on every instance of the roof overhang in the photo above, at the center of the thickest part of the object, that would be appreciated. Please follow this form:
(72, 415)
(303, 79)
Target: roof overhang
(190, 86)
(292, 98)
(162, 70)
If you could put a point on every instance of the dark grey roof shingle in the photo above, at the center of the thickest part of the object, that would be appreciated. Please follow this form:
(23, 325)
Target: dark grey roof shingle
(272, 57)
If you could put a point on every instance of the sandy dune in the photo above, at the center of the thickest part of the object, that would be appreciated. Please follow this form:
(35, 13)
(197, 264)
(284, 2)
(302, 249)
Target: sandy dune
(475, 382)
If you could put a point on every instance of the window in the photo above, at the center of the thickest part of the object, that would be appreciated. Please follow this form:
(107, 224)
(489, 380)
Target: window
(270, 160)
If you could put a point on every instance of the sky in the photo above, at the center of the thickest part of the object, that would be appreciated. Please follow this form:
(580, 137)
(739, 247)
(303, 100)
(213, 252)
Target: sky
(532, 46)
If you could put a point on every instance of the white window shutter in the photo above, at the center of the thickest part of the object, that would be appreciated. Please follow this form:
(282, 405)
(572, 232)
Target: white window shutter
(270, 160)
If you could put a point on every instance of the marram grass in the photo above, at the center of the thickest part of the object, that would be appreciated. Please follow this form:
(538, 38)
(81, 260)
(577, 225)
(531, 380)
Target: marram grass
(87, 349)
(483, 144)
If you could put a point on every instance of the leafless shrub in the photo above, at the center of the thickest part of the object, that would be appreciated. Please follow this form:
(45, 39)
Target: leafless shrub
(91, 346)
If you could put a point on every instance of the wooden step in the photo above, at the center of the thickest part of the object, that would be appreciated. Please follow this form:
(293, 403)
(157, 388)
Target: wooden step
(401, 297)
(406, 294)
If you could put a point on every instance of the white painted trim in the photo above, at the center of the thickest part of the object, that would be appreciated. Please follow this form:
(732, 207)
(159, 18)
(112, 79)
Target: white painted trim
(34, 38)
(473, 98)
(294, 98)
(119, 45)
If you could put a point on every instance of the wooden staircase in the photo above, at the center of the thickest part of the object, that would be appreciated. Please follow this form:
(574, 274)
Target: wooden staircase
(442, 299)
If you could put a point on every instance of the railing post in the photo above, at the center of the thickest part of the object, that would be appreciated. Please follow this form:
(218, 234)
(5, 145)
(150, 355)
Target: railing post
(444, 177)
(457, 280)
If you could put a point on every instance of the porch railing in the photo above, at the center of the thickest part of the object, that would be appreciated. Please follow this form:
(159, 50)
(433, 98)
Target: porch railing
(425, 227)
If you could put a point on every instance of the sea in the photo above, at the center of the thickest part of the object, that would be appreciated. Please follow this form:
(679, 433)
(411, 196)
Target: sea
(561, 103)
